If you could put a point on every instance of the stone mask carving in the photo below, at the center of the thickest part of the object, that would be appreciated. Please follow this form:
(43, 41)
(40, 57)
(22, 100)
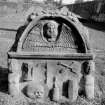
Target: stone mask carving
(50, 31)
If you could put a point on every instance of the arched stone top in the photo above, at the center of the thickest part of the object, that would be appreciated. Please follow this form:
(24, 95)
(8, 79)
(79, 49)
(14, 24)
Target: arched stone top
(68, 35)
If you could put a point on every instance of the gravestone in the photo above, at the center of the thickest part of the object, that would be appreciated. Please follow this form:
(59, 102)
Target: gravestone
(52, 58)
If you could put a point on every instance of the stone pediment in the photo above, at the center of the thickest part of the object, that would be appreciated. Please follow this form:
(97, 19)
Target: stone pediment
(52, 32)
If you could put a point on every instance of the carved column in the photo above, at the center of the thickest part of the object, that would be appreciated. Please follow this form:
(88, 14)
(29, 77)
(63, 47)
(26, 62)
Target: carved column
(50, 75)
(89, 86)
(90, 81)
(14, 77)
(57, 91)
(74, 81)
(70, 90)
(73, 90)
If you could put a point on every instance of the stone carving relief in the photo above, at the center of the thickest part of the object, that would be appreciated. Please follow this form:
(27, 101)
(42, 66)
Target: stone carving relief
(50, 31)
(53, 79)
(50, 36)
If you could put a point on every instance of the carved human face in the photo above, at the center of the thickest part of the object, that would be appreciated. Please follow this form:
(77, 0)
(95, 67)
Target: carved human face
(51, 31)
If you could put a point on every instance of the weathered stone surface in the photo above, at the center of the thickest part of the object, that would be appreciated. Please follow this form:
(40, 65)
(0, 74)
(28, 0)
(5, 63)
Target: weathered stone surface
(39, 73)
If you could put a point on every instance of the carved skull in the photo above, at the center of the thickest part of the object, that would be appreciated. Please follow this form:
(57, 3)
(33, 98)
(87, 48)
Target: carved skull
(50, 31)
(35, 91)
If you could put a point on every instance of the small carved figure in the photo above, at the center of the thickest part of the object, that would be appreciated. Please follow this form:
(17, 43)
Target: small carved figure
(50, 31)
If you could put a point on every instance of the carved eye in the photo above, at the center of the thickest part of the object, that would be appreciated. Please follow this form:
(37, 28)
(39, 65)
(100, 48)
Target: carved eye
(38, 94)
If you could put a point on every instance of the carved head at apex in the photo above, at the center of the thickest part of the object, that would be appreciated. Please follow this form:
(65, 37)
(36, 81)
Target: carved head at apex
(50, 31)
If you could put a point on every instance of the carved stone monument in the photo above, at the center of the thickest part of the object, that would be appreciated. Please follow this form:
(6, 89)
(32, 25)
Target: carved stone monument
(53, 59)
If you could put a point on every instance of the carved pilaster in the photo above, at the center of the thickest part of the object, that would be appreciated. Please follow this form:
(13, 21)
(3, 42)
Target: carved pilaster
(89, 68)
(89, 86)
(14, 77)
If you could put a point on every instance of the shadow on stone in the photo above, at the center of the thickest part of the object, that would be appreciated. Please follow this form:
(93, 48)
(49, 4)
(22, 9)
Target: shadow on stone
(94, 25)
(3, 79)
